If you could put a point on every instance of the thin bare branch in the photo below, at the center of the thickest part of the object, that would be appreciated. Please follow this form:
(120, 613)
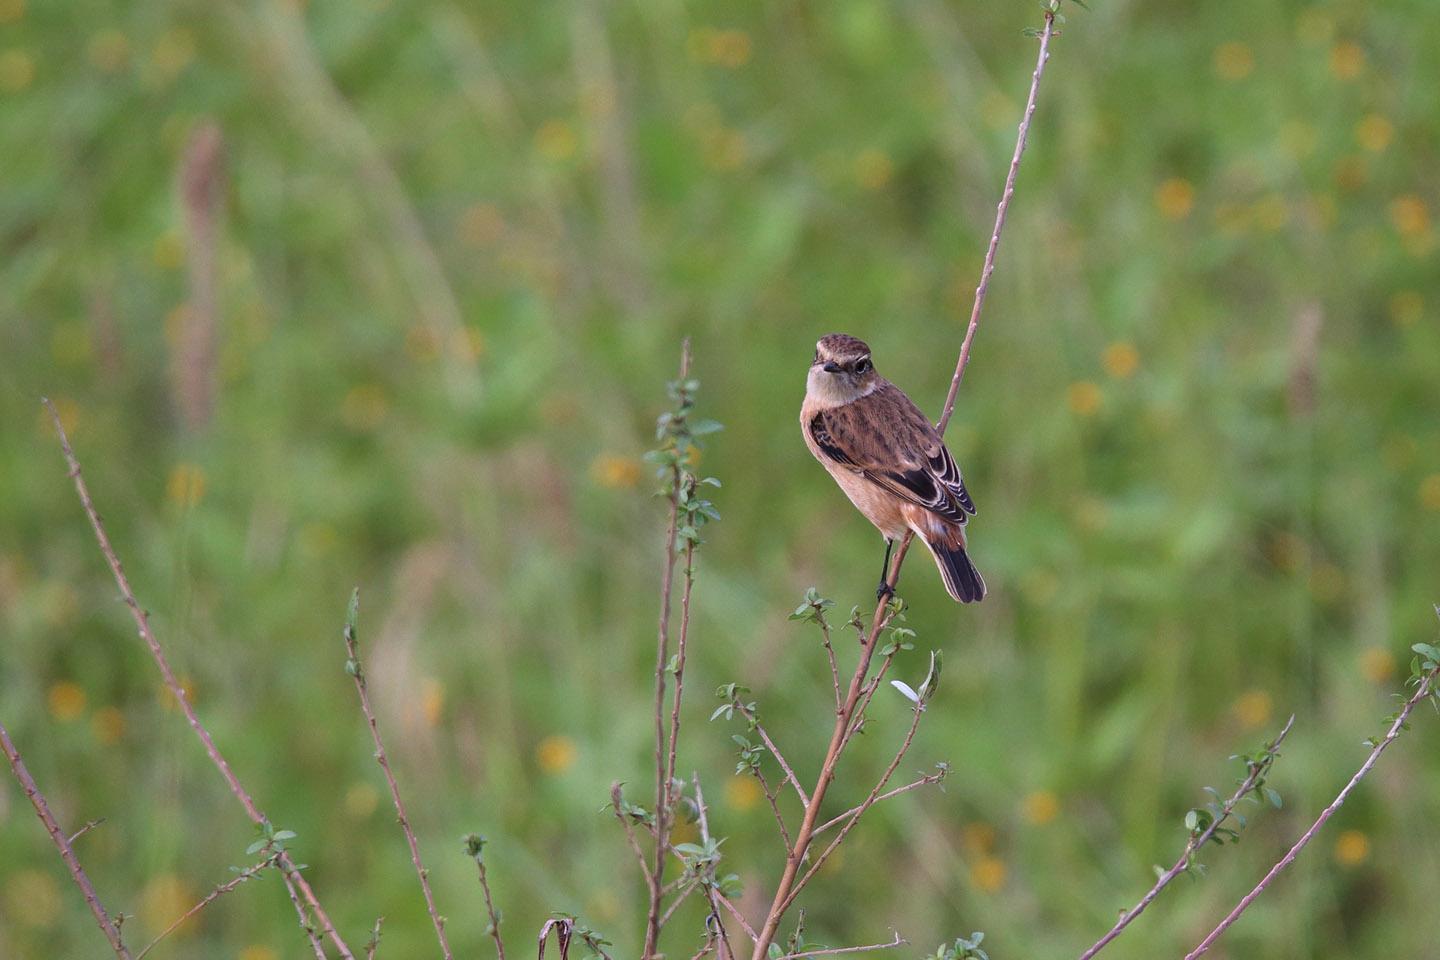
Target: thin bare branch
(1000, 212)
(923, 781)
(690, 885)
(475, 845)
(774, 807)
(681, 650)
(62, 843)
(616, 799)
(357, 671)
(86, 829)
(249, 873)
(1421, 692)
(1195, 843)
(297, 884)
(834, 668)
(775, 752)
(898, 941)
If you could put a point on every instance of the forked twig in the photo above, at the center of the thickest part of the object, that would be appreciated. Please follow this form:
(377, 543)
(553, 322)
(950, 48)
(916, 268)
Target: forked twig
(859, 811)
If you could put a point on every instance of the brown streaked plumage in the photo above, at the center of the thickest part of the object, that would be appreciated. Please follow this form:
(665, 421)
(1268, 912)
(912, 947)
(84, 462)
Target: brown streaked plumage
(888, 458)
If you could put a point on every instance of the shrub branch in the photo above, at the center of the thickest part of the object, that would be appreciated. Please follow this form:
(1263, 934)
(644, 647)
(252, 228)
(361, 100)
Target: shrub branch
(296, 884)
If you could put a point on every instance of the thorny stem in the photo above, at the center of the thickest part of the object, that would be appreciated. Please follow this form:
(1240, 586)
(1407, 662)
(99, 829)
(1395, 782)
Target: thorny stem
(57, 837)
(297, 885)
(358, 673)
(1195, 843)
(1421, 692)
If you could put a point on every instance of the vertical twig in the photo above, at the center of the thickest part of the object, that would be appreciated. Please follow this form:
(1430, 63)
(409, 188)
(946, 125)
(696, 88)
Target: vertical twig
(680, 651)
(62, 843)
(294, 882)
(1000, 212)
(354, 668)
(475, 845)
(727, 952)
(655, 875)
(847, 710)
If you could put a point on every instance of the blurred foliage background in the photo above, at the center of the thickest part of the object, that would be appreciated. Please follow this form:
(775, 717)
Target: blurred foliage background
(387, 293)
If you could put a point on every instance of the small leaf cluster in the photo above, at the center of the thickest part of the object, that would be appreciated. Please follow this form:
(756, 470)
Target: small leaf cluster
(679, 436)
(700, 860)
(1425, 662)
(750, 755)
(1205, 824)
(732, 694)
(270, 840)
(813, 609)
(1052, 11)
(961, 949)
(896, 637)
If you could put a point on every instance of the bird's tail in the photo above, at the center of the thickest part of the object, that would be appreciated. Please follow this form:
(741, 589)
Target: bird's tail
(962, 580)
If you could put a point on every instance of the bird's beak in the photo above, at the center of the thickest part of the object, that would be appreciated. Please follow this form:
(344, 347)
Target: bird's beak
(831, 366)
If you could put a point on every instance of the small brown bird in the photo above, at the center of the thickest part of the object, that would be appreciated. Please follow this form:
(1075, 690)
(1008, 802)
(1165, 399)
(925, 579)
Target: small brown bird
(889, 460)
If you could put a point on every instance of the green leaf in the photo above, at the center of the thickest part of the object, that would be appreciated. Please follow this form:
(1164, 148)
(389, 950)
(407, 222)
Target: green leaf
(701, 427)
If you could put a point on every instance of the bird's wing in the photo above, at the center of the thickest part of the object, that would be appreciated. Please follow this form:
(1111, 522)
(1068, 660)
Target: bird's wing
(892, 445)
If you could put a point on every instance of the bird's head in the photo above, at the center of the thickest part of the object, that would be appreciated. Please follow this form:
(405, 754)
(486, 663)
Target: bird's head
(841, 371)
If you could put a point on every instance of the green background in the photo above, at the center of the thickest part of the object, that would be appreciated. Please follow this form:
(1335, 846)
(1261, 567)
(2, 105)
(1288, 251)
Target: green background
(459, 248)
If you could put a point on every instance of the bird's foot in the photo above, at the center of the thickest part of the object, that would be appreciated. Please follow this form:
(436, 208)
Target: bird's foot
(884, 592)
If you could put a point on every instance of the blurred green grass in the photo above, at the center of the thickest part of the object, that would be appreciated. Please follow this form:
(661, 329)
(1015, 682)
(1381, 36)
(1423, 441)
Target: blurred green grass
(1192, 524)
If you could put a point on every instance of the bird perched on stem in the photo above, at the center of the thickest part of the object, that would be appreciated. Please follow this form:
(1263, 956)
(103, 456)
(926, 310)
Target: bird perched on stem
(888, 458)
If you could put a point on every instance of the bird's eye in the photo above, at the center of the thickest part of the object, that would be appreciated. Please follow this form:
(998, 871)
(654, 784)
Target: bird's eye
(862, 365)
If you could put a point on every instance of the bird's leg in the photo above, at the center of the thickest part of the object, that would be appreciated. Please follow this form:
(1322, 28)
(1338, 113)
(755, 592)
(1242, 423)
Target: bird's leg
(885, 591)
